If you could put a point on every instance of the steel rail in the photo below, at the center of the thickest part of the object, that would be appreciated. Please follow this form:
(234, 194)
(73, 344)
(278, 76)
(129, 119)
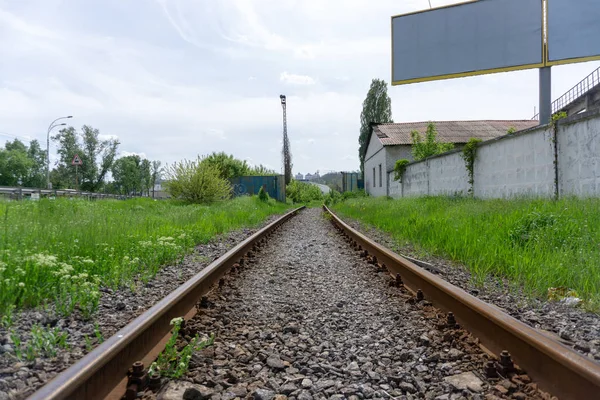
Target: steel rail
(97, 374)
(556, 368)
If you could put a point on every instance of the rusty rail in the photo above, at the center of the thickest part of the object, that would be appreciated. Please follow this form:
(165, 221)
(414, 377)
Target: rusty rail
(556, 368)
(97, 374)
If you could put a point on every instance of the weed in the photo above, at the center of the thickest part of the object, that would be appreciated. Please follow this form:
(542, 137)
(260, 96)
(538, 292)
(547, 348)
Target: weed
(17, 343)
(60, 251)
(88, 343)
(98, 333)
(7, 319)
(536, 243)
(174, 363)
(44, 342)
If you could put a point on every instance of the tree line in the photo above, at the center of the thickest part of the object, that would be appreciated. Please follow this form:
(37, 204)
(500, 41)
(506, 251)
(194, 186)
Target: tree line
(103, 171)
(25, 165)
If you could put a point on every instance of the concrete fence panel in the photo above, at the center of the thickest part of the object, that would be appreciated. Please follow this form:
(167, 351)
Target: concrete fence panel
(519, 165)
(415, 181)
(448, 175)
(579, 157)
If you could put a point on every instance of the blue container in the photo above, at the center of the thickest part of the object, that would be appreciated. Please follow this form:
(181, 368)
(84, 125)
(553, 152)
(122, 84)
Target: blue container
(250, 185)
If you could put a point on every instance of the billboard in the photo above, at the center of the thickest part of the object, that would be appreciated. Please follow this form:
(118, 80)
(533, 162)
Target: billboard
(466, 39)
(573, 31)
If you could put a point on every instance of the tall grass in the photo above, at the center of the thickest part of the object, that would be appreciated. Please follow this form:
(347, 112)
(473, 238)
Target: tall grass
(536, 243)
(62, 251)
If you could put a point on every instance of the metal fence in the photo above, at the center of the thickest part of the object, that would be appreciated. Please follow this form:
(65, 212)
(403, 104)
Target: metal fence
(249, 185)
(351, 181)
(23, 193)
(577, 91)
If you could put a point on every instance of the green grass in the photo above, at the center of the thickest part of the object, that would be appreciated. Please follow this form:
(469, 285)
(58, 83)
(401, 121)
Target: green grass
(537, 244)
(62, 251)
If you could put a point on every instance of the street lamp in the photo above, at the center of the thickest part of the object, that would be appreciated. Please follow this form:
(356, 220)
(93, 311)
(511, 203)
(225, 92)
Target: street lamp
(52, 126)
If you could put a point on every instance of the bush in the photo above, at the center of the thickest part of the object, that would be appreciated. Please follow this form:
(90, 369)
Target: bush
(263, 195)
(429, 145)
(399, 168)
(332, 197)
(301, 192)
(196, 182)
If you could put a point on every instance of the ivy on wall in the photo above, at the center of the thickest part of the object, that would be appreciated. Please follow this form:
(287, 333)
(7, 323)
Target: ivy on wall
(399, 168)
(469, 154)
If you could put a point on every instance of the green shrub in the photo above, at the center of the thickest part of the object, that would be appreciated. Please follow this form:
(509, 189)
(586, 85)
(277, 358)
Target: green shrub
(429, 145)
(263, 195)
(332, 197)
(399, 168)
(303, 192)
(196, 182)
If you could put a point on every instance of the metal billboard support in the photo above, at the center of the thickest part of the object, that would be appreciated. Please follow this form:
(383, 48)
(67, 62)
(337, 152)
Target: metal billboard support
(545, 95)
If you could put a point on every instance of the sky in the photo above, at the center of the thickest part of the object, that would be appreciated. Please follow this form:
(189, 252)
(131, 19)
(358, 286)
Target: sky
(174, 79)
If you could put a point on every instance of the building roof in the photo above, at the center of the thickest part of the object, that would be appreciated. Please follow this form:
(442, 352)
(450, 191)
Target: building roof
(391, 134)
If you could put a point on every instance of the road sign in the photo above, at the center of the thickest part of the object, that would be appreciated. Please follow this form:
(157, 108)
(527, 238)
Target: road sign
(76, 160)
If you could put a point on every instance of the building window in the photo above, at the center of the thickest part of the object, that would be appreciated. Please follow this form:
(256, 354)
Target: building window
(380, 180)
(374, 181)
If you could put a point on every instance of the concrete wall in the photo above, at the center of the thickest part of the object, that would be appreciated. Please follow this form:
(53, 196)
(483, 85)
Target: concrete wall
(415, 181)
(522, 164)
(373, 159)
(448, 175)
(394, 187)
(579, 157)
(517, 165)
(394, 153)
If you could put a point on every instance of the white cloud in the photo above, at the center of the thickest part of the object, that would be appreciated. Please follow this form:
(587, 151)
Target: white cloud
(176, 78)
(132, 153)
(294, 79)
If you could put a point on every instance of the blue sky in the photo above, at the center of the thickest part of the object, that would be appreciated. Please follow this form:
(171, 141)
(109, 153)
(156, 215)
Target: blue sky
(174, 78)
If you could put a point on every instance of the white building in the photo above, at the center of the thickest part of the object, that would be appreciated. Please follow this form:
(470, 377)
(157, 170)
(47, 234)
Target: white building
(299, 176)
(391, 142)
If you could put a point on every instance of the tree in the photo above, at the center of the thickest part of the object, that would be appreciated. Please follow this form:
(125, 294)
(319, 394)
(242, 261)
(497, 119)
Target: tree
(97, 155)
(21, 165)
(196, 182)
(145, 176)
(377, 108)
(132, 175)
(37, 174)
(228, 166)
(126, 174)
(156, 174)
(15, 164)
(429, 146)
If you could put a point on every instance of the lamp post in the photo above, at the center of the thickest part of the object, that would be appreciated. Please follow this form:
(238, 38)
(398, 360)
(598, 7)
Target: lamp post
(52, 125)
(287, 156)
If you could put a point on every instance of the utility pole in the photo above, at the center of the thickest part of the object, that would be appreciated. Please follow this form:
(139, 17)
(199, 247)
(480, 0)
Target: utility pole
(287, 155)
(50, 127)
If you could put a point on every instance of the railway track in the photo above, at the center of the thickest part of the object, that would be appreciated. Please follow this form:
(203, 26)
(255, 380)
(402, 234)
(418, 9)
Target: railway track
(553, 367)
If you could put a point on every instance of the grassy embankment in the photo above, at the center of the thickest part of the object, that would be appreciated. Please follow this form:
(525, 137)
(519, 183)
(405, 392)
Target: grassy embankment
(537, 244)
(62, 251)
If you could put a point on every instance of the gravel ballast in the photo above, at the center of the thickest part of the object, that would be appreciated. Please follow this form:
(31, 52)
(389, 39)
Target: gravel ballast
(18, 379)
(570, 325)
(307, 318)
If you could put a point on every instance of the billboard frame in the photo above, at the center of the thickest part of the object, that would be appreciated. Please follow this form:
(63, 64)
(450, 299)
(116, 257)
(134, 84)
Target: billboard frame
(565, 60)
(544, 62)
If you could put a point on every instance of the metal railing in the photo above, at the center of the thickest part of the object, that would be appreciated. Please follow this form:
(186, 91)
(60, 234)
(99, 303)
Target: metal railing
(21, 193)
(583, 87)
